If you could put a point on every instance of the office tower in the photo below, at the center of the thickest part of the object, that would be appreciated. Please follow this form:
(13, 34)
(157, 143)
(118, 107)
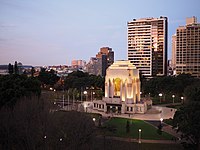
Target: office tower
(98, 65)
(108, 52)
(94, 66)
(107, 56)
(187, 48)
(78, 64)
(147, 45)
(173, 63)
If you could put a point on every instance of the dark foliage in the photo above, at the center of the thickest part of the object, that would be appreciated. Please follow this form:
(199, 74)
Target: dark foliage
(47, 77)
(10, 68)
(14, 86)
(187, 119)
(168, 84)
(79, 79)
(30, 125)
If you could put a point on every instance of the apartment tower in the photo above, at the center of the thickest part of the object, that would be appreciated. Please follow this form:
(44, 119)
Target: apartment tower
(107, 56)
(186, 48)
(147, 45)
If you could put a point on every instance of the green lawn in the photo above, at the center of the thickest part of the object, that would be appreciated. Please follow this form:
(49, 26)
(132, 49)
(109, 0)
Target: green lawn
(109, 144)
(148, 131)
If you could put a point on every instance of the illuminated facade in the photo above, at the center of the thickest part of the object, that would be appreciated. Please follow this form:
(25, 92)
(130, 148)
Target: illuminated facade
(186, 48)
(147, 45)
(122, 90)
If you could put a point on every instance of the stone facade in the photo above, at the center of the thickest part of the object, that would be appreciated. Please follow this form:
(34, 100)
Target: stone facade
(122, 90)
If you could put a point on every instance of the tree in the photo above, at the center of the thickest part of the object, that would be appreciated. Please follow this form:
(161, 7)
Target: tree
(82, 81)
(30, 125)
(48, 77)
(192, 93)
(187, 120)
(32, 71)
(16, 69)
(10, 68)
(13, 87)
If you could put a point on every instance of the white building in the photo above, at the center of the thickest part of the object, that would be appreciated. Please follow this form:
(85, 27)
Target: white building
(122, 90)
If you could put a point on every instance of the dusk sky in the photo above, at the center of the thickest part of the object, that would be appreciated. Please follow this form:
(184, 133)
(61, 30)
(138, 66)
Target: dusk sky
(53, 32)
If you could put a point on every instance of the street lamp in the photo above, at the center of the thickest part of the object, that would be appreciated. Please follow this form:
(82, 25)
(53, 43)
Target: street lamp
(182, 99)
(161, 120)
(173, 97)
(93, 93)
(139, 140)
(160, 94)
(94, 119)
(85, 93)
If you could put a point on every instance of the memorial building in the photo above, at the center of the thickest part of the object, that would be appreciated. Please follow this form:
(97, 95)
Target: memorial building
(122, 90)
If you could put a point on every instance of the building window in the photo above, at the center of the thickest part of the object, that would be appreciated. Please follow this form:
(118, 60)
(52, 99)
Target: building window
(126, 108)
(131, 108)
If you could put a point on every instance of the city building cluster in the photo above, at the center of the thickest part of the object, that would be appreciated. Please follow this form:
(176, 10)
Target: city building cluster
(147, 50)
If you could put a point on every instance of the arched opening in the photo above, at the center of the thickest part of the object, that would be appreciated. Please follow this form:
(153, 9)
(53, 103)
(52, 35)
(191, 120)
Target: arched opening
(117, 83)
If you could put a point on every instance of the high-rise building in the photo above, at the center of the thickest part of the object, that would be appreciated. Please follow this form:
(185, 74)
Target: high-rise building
(94, 66)
(173, 63)
(108, 52)
(186, 48)
(78, 64)
(107, 56)
(98, 65)
(147, 45)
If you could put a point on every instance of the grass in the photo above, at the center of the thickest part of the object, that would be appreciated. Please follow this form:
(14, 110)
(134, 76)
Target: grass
(148, 131)
(168, 121)
(109, 144)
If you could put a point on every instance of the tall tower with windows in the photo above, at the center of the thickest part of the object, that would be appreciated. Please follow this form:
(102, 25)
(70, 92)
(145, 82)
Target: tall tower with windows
(147, 45)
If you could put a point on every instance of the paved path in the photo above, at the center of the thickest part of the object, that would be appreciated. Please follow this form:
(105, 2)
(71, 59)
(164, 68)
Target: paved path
(155, 113)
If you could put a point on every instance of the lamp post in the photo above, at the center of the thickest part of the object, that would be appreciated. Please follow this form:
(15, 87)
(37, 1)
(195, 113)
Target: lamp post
(161, 120)
(139, 138)
(63, 100)
(182, 99)
(160, 94)
(85, 93)
(93, 93)
(173, 98)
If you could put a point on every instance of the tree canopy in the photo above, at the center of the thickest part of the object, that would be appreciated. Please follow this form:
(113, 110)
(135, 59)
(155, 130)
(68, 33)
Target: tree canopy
(30, 125)
(168, 84)
(79, 79)
(48, 77)
(187, 119)
(14, 86)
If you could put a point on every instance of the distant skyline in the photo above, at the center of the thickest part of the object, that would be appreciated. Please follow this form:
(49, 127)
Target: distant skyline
(44, 32)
